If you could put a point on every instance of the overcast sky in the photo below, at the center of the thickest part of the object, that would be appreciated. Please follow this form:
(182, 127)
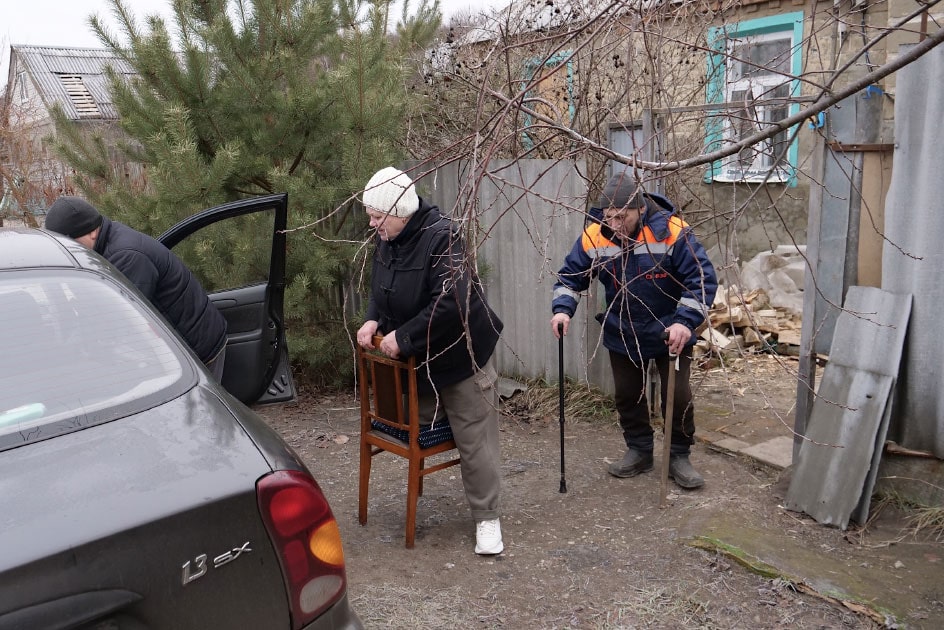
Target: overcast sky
(65, 22)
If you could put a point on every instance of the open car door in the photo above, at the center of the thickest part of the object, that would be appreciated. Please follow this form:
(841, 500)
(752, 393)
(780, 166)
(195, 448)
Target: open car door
(237, 251)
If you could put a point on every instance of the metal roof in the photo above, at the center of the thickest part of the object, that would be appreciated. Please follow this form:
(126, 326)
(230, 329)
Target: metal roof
(74, 78)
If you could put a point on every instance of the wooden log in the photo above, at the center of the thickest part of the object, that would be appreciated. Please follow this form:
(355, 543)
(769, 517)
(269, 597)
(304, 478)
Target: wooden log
(716, 338)
(788, 337)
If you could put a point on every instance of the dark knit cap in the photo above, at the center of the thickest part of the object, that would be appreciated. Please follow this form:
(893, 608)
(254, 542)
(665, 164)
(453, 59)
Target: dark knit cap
(72, 216)
(622, 191)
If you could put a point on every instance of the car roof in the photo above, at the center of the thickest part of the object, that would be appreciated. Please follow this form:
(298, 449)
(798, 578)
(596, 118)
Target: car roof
(29, 248)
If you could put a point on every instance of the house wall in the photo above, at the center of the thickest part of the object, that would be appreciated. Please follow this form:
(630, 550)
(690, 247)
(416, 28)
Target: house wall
(32, 172)
(659, 64)
(738, 221)
(23, 98)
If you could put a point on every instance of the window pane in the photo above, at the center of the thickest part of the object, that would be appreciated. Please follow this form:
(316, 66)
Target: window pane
(756, 69)
(74, 345)
(760, 58)
(232, 253)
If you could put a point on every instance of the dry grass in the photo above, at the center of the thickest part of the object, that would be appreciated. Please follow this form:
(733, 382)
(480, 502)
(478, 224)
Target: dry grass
(929, 520)
(924, 520)
(657, 607)
(402, 607)
(541, 401)
(399, 607)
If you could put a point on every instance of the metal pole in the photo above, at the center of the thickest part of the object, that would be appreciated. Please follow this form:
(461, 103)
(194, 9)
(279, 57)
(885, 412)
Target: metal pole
(560, 356)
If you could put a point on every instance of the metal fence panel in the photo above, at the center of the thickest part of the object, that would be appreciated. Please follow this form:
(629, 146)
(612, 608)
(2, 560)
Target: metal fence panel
(529, 213)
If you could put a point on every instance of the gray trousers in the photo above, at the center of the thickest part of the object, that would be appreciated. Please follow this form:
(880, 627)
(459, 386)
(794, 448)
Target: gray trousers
(472, 408)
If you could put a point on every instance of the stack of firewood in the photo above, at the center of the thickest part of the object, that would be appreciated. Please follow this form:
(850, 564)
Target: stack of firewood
(744, 322)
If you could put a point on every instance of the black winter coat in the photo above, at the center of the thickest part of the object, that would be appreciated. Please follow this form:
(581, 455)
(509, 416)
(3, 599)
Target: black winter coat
(167, 283)
(422, 287)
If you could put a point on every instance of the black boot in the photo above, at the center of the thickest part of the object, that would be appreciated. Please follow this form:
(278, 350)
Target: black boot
(633, 463)
(684, 474)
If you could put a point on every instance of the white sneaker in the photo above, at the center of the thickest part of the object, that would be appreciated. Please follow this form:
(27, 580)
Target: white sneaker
(488, 538)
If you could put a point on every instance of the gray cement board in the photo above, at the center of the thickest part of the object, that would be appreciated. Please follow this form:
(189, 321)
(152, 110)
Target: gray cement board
(836, 455)
(870, 332)
(833, 239)
(861, 512)
(838, 462)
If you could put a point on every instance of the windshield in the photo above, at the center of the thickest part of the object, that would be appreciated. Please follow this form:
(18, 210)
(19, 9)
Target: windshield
(76, 351)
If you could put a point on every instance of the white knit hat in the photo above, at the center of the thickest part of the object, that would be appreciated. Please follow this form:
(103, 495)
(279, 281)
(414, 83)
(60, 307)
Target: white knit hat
(391, 191)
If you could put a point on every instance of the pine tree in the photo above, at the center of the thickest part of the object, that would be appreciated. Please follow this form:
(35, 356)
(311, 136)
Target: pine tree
(254, 97)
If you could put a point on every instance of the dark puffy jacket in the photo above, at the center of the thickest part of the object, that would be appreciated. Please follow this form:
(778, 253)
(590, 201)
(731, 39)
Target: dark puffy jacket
(167, 283)
(422, 287)
(662, 278)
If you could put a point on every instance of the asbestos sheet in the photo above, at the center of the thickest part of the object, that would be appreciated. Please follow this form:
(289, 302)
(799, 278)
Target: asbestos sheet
(838, 461)
(836, 456)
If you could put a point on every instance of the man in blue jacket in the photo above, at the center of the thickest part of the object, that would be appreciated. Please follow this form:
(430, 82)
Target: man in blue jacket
(658, 281)
(163, 279)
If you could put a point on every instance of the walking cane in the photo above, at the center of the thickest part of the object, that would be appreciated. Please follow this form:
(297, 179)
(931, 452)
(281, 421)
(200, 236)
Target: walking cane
(560, 363)
(667, 425)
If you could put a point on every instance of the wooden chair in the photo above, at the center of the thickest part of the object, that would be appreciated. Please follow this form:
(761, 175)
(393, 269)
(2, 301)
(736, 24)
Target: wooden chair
(389, 407)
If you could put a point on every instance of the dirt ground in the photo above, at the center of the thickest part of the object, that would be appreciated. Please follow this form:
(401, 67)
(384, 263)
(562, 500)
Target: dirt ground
(604, 554)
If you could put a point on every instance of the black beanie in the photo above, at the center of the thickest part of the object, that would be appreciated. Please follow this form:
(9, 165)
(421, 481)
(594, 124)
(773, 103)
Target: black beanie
(73, 217)
(622, 191)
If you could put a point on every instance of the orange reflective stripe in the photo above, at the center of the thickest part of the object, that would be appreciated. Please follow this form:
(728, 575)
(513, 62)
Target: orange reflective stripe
(597, 246)
(593, 238)
(676, 225)
(594, 243)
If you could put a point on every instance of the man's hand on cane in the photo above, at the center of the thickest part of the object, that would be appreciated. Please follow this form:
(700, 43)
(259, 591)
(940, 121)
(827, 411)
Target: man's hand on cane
(678, 336)
(558, 320)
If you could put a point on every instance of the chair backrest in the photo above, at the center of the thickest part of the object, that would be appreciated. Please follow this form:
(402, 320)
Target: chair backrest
(390, 422)
(390, 404)
(391, 387)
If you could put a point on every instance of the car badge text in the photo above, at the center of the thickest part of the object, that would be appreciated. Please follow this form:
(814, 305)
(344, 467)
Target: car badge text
(197, 568)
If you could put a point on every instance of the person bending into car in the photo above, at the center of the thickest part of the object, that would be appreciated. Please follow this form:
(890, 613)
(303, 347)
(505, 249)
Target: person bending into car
(156, 271)
(427, 303)
(658, 280)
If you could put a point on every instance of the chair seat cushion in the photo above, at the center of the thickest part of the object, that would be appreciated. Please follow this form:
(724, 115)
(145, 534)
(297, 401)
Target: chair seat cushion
(430, 434)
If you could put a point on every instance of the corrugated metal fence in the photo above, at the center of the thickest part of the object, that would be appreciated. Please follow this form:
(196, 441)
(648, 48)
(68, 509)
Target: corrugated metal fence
(540, 208)
(913, 257)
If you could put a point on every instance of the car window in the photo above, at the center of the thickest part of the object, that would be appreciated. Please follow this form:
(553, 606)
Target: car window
(77, 351)
(232, 253)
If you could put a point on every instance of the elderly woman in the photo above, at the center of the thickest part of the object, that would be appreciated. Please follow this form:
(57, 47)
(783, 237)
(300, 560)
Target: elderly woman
(427, 303)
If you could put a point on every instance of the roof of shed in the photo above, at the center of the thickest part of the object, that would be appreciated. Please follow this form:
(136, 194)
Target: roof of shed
(74, 78)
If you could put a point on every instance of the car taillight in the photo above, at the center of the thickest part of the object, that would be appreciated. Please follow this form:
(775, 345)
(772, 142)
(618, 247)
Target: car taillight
(307, 539)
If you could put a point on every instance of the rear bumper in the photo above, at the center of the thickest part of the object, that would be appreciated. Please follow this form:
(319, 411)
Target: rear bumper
(339, 617)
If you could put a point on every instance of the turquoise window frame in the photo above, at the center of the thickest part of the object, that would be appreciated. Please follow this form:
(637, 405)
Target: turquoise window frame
(532, 66)
(717, 79)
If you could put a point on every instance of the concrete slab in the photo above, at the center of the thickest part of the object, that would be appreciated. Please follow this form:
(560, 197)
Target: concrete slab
(896, 580)
(919, 479)
(731, 444)
(776, 452)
